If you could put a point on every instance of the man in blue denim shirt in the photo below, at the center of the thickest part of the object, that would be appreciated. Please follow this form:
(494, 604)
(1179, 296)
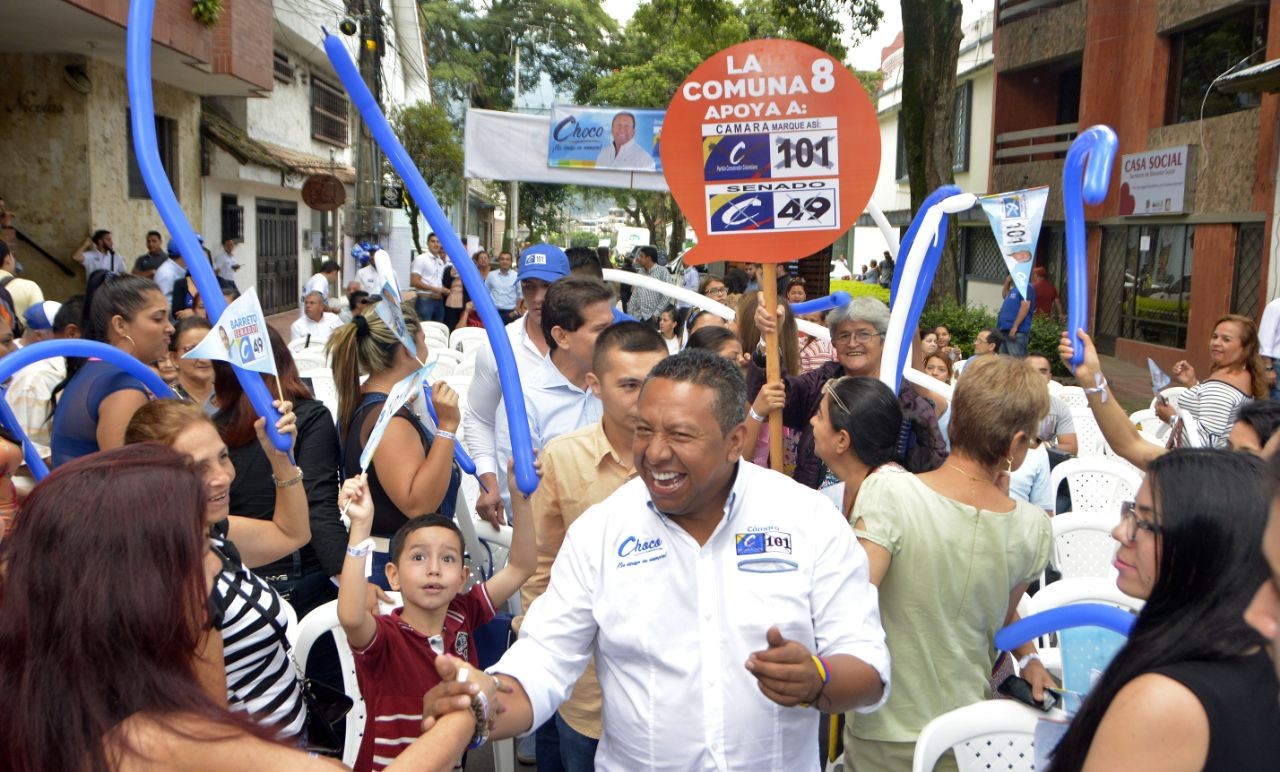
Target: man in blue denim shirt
(1015, 318)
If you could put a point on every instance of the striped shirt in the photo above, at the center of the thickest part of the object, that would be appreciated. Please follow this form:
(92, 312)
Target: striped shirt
(1214, 405)
(398, 667)
(261, 678)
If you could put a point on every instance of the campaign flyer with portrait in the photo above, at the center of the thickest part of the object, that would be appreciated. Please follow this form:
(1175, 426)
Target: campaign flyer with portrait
(771, 148)
(239, 337)
(619, 139)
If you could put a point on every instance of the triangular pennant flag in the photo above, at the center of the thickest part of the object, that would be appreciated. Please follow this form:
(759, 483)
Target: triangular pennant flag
(239, 337)
(408, 386)
(388, 309)
(1159, 379)
(1015, 219)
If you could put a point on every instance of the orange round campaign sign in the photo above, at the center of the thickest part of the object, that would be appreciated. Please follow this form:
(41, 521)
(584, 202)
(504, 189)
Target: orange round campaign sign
(771, 148)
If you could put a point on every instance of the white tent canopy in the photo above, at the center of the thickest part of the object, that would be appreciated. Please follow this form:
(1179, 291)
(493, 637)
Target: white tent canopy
(513, 146)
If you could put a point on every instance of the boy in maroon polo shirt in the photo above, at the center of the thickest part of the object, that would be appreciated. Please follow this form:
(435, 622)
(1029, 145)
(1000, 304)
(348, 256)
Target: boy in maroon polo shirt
(395, 653)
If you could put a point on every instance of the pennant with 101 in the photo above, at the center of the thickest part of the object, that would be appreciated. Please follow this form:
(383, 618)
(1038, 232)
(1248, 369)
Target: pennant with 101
(1015, 219)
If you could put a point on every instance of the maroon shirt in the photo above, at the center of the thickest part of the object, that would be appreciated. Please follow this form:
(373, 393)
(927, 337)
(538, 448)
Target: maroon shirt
(398, 667)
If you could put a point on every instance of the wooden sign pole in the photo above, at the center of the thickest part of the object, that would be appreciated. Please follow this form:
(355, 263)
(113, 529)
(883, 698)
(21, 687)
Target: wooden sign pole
(773, 365)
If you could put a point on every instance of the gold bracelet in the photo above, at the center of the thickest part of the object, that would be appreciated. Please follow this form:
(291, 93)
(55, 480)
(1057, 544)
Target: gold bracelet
(286, 483)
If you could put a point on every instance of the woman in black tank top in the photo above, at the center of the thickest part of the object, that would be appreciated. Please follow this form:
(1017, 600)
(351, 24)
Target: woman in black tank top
(412, 471)
(1193, 688)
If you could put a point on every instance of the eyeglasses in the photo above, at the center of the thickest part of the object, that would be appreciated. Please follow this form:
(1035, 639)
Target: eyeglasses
(717, 292)
(861, 336)
(1132, 523)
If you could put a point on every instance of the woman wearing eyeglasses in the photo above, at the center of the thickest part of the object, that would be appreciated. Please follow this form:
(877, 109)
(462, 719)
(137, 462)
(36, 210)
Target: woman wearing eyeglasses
(1193, 688)
(857, 332)
(951, 554)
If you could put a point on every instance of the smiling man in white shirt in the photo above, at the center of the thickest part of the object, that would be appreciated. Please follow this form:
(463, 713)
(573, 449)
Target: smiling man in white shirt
(623, 152)
(719, 598)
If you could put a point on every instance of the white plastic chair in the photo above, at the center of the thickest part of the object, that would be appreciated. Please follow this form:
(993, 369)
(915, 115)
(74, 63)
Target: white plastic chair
(987, 735)
(1082, 590)
(1073, 397)
(434, 336)
(1171, 393)
(322, 620)
(1191, 437)
(439, 329)
(1083, 546)
(446, 361)
(1092, 443)
(1149, 423)
(324, 388)
(300, 344)
(1096, 485)
(312, 358)
(467, 339)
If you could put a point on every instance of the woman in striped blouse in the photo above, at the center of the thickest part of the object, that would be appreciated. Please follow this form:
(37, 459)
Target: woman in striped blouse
(1236, 376)
(261, 679)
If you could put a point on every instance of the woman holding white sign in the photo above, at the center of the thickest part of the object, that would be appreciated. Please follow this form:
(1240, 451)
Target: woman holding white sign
(412, 472)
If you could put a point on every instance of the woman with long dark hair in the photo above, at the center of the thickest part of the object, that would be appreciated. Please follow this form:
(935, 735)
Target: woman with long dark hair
(1193, 688)
(301, 577)
(858, 431)
(93, 404)
(98, 662)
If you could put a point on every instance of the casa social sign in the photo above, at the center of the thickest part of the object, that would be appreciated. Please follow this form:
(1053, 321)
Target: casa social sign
(771, 148)
(1155, 182)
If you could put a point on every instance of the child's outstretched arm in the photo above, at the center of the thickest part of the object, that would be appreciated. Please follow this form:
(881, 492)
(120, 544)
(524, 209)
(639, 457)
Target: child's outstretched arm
(523, 557)
(353, 610)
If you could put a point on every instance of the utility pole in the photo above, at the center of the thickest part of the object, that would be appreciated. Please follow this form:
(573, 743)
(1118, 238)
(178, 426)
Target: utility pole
(514, 196)
(368, 156)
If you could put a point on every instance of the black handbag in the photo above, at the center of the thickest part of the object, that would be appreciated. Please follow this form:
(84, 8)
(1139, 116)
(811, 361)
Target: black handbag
(326, 706)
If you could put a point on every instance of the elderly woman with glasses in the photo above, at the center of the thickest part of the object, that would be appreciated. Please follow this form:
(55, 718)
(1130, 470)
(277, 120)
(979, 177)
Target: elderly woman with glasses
(857, 331)
(951, 554)
(1193, 688)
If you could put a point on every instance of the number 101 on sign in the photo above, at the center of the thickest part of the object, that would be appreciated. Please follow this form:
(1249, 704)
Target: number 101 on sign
(804, 154)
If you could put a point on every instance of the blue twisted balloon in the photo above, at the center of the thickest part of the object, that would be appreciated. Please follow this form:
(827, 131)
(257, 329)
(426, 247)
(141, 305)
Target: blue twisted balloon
(143, 121)
(508, 376)
(837, 299)
(930, 267)
(69, 347)
(459, 453)
(1086, 175)
(1064, 618)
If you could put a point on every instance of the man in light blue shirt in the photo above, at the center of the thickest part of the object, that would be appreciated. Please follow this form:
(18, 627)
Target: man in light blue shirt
(502, 285)
(557, 398)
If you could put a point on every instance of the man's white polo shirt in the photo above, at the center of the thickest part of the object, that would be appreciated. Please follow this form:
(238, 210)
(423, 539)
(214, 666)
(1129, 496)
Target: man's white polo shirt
(671, 624)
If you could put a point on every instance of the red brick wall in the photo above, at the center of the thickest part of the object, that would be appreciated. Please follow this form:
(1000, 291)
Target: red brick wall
(174, 26)
(242, 44)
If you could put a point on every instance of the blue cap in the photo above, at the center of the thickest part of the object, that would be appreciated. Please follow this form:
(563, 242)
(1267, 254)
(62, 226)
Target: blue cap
(40, 316)
(543, 261)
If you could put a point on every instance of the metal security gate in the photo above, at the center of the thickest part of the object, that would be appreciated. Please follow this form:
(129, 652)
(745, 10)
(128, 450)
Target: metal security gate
(277, 255)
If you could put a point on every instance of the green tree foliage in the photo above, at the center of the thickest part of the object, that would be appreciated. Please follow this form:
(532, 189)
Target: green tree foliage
(433, 144)
(471, 47)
